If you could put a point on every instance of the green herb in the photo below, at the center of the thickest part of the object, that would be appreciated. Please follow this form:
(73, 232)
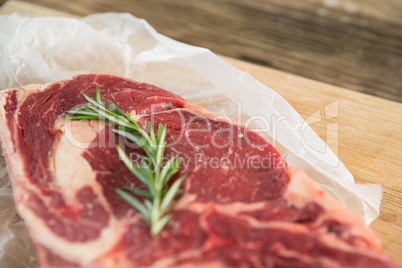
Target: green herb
(155, 175)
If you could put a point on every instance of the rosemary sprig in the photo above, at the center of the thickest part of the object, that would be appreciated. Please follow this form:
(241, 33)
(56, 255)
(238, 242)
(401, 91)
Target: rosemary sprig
(155, 200)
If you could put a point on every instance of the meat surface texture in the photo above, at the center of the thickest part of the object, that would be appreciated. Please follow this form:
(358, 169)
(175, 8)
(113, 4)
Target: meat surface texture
(241, 206)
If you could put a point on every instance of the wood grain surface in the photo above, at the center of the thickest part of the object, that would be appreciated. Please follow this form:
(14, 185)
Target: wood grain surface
(369, 132)
(356, 44)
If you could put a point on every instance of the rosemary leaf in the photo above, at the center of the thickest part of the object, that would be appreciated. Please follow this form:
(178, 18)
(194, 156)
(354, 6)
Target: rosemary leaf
(171, 194)
(151, 133)
(98, 96)
(158, 196)
(143, 193)
(133, 201)
(116, 109)
(172, 170)
(80, 117)
(148, 204)
(135, 170)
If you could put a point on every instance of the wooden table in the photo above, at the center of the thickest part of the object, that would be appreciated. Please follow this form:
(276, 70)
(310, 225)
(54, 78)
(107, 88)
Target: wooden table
(370, 128)
(356, 44)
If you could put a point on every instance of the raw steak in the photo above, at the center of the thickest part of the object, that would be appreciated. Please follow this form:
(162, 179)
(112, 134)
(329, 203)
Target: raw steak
(242, 205)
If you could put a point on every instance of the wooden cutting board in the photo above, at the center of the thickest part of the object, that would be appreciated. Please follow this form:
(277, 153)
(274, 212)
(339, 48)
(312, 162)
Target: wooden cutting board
(369, 140)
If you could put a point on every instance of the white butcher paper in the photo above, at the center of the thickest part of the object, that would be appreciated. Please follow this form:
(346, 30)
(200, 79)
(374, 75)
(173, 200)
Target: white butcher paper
(46, 49)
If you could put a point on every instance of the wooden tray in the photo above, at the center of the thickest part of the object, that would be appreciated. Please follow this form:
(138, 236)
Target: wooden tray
(369, 139)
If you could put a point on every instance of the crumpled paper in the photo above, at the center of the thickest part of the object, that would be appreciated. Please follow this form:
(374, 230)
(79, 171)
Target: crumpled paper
(46, 49)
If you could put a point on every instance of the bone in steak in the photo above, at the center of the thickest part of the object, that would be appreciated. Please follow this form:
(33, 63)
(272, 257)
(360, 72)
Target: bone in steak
(242, 205)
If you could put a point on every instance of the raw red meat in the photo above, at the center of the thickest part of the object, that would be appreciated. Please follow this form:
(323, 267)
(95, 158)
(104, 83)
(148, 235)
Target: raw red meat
(242, 205)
